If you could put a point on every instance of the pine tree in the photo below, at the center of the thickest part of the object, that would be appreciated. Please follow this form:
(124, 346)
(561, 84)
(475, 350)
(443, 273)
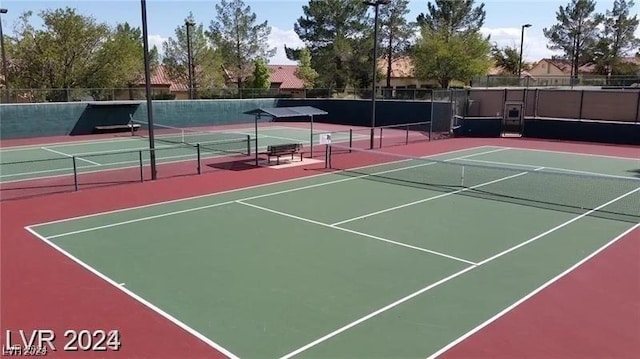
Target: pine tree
(395, 32)
(239, 38)
(576, 32)
(451, 46)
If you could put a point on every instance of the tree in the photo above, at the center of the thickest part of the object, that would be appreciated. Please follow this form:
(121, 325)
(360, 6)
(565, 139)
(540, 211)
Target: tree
(395, 32)
(617, 38)
(335, 31)
(305, 71)
(451, 46)
(451, 17)
(507, 58)
(260, 77)
(61, 55)
(73, 51)
(576, 32)
(123, 54)
(239, 38)
(445, 57)
(206, 61)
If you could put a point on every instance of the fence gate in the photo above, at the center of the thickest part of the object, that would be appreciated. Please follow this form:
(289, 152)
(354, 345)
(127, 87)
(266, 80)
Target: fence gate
(512, 119)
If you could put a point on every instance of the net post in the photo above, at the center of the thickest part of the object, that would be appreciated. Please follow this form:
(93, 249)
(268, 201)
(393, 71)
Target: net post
(141, 166)
(75, 173)
(431, 117)
(198, 156)
(131, 125)
(350, 139)
(326, 155)
(248, 145)
(380, 137)
(406, 135)
(462, 177)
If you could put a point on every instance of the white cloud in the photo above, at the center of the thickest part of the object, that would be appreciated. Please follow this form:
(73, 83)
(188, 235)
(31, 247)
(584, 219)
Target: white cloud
(157, 40)
(278, 39)
(535, 44)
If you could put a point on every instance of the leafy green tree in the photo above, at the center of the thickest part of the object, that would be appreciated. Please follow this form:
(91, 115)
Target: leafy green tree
(576, 32)
(507, 58)
(305, 71)
(60, 55)
(451, 46)
(395, 32)
(617, 38)
(206, 61)
(336, 33)
(446, 57)
(238, 37)
(261, 77)
(73, 51)
(123, 55)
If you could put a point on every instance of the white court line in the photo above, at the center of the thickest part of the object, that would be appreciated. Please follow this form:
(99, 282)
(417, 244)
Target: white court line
(355, 232)
(574, 153)
(557, 169)
(70, 156)
(392, 305)
(106, 164)
(115, 224)
(375, 313)
(431, 198)
(528, 296)
(240, 189)
(136, 297)
(104, 140)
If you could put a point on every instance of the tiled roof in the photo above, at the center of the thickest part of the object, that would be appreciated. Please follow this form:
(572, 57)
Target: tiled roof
(160, 77)
(565, 66)
(285, 76)
(400, 67)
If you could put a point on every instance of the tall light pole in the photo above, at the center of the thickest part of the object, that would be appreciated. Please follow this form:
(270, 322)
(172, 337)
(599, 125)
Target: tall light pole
(521, 47)
(376, 4)
(147, 80)
(4, 59)
(189, 24)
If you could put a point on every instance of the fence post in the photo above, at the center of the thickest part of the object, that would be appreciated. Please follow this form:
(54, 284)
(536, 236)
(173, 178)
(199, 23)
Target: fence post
(581, 104)
(431, 116)
(75, 173)
(198, 155)
(141, 166)
(638, 108)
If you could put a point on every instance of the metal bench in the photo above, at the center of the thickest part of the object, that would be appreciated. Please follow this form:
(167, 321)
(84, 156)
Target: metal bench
(117, 128)
(281, 150)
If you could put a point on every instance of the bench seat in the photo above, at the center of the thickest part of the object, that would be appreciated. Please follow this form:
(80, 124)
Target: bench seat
(284, 149)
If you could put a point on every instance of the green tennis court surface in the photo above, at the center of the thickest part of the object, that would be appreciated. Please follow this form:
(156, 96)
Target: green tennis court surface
(43, 161)
(395, 260)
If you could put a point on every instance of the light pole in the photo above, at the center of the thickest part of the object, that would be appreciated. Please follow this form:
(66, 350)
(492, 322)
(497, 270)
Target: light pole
(376, 4)
(189, 24)
(147, 80)
(4, 59)
(521, 47)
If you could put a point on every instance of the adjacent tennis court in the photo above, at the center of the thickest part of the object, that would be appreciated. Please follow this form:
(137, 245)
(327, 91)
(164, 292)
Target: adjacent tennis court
(400, 258)
(172, 145)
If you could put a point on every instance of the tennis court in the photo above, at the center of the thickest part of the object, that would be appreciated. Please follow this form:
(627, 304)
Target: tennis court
(400, 258)
(172, 146)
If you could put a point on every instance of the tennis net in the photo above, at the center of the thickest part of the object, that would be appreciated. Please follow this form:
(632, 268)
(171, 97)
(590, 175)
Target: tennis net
(605, 196)
(212, 141)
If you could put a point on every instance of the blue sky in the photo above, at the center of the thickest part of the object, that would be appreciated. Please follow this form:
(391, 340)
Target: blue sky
(503, 21)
